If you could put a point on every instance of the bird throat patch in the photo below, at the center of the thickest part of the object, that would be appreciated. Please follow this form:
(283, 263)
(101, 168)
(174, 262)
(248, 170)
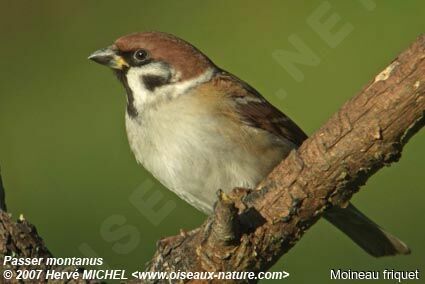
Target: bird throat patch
(131, 109)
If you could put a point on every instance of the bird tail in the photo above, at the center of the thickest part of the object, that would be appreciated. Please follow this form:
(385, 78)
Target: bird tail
(364, 232)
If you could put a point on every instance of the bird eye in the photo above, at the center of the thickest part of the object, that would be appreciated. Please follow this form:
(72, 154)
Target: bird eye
(141, 55)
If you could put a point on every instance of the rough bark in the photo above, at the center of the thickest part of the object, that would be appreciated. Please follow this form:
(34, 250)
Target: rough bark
(251, 229)
(20, 239)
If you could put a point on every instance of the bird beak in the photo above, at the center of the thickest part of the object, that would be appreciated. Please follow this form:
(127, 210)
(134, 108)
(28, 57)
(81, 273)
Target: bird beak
(109, 57)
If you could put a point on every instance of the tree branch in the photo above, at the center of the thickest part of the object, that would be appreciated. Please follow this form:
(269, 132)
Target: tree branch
(2, 196)
(20, 239)
(251, 229)
(367, 133)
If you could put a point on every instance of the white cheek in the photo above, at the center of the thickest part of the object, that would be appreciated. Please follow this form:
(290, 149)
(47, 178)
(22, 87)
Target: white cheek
(144, 97)
(141, 94)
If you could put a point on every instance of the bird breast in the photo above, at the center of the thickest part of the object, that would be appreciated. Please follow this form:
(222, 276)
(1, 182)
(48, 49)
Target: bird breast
(194, 151)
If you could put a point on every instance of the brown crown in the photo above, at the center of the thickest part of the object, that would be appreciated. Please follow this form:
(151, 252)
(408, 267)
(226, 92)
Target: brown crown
(181, 55)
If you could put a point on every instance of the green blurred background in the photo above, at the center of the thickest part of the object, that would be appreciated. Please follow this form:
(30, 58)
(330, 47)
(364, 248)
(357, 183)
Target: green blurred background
(65, 160)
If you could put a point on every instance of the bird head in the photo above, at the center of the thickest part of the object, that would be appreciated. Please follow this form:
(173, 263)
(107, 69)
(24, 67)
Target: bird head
(153, 67)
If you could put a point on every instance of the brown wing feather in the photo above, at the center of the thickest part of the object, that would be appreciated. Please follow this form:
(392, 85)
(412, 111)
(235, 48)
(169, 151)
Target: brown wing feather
(256, 111)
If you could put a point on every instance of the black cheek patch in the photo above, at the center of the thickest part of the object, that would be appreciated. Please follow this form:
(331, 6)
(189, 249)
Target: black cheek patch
(152, 81)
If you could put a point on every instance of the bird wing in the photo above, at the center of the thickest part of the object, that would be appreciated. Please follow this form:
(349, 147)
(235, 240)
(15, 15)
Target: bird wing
(256, 111)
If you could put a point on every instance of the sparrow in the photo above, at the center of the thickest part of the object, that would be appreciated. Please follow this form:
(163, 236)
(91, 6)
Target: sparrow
(197, 128)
